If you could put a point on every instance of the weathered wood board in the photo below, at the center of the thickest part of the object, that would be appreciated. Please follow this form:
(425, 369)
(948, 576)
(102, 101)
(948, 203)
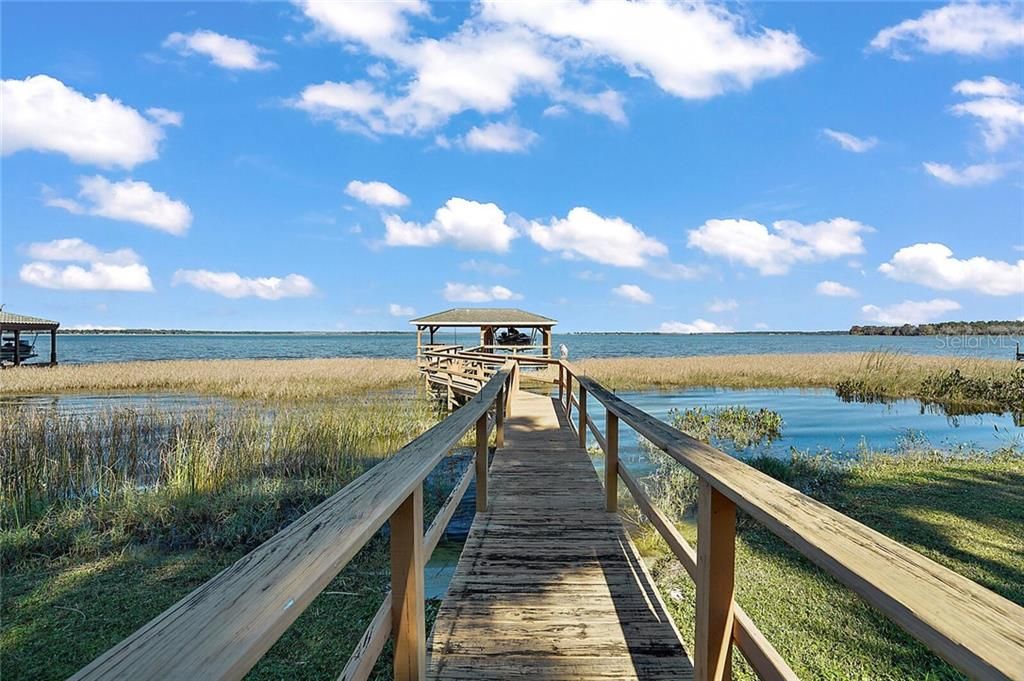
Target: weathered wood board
(549, 586)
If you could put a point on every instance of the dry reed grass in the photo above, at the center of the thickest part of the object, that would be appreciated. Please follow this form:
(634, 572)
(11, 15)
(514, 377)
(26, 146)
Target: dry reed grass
(895, 374)
(296, 379)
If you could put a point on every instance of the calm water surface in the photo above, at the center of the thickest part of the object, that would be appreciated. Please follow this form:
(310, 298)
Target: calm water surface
(75, 349)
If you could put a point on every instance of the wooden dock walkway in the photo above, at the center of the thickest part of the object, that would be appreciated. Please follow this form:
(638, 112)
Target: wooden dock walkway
(549, 585)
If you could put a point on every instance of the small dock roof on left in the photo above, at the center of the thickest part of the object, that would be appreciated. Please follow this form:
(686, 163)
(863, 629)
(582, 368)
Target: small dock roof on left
(10, 321)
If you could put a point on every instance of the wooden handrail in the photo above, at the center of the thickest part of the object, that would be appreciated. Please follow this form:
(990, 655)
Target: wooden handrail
(221, 629)
(975, 630)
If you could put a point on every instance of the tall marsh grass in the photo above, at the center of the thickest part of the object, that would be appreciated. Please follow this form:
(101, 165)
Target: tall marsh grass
(293, 379)
(50, 458)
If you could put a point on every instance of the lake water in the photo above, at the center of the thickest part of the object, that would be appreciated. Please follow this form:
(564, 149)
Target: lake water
(74, 349)
(817, 421)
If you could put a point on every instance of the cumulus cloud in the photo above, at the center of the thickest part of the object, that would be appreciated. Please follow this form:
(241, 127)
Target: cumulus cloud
(503, 51)
(466, 224)
(396, 310)
(120, 270)
(858, 145)
(989, 86)
(696, 326)
(633, 293)
(933, 265)
(694, 51)
(968, 176)
(376, 193)
(127, 200)
(233, 285)
(474, 293)
(584, 233)
(835, 289)
(43, 114)
(966, 28)
(1000, 119)
(504, 137)
(774, 252)
(910, 311)
(224, 51)
(720, 305)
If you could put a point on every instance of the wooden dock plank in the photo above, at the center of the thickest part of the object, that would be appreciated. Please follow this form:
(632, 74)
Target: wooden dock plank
(549, 585)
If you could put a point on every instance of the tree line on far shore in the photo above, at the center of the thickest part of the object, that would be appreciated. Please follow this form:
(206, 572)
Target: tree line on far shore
(995, 328)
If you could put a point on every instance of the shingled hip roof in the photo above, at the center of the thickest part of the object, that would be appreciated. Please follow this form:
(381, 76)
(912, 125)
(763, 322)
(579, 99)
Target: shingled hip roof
(484, 316)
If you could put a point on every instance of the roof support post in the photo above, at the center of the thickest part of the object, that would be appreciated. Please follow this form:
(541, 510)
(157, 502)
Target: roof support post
(17, 347)
(53, 347)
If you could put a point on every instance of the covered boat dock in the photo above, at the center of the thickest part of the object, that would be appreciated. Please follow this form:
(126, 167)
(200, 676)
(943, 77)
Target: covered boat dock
(14, 349)
(501, 330)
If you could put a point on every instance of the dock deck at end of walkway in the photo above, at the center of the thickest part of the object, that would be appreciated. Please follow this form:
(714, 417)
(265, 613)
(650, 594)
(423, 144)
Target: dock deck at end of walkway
(549, 584)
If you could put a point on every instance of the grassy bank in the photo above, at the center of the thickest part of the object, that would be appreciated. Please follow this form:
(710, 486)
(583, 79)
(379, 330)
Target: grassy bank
(292, 379)
(110, 517)
(965, 512)
(954, 381)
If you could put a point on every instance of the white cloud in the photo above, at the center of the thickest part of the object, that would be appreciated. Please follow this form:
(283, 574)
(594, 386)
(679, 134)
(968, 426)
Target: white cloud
(719, 305)
(93, 327)
(224, 51)
(396, 310)
(77, 250)
(556, 111)
(1000, 118)
(910, 311)
(696, 326)
(162, 116)
(473, 293)
(120, 270)
(43, 114)
(503, 51)
(505, 137)
(233, 285)
(633, 293)
(750, 242)
(989, 86)
(674, 271)
(933, 265)
(466, 224)
(376, 193)
(981, 173)
(858, 145)
(694, 51)
(130, 201)
(367, 21)
(968, 28)
(835, 289)
(611, 241)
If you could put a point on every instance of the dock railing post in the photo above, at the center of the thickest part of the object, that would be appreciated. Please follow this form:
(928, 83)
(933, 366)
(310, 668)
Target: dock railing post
(561, 383)
(568, 395)
(716, 565)
(583, 417)
(499, 418)
(408, 622)
(481, 463)
(611, 461)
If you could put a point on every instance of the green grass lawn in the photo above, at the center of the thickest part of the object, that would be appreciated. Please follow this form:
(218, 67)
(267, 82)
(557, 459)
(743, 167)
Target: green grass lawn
(966, 513)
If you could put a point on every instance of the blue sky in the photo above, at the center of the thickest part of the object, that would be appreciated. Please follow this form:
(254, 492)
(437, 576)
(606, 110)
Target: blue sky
(617, 166)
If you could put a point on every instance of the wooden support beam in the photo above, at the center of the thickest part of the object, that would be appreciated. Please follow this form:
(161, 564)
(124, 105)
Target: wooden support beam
(53, 347)
(611, 462)
(481, 464)
(17, 347)
(716, 565)
(568, 395)
(499, 419)
(561, 384)
(582, 430)
(408, 617)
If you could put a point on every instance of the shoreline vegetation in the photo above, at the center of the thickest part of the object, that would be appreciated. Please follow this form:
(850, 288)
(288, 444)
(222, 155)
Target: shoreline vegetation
(876, 376)
(994, 328)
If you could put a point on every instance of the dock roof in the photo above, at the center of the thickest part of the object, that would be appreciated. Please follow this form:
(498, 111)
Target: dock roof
(20, 322)
(484, 316)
